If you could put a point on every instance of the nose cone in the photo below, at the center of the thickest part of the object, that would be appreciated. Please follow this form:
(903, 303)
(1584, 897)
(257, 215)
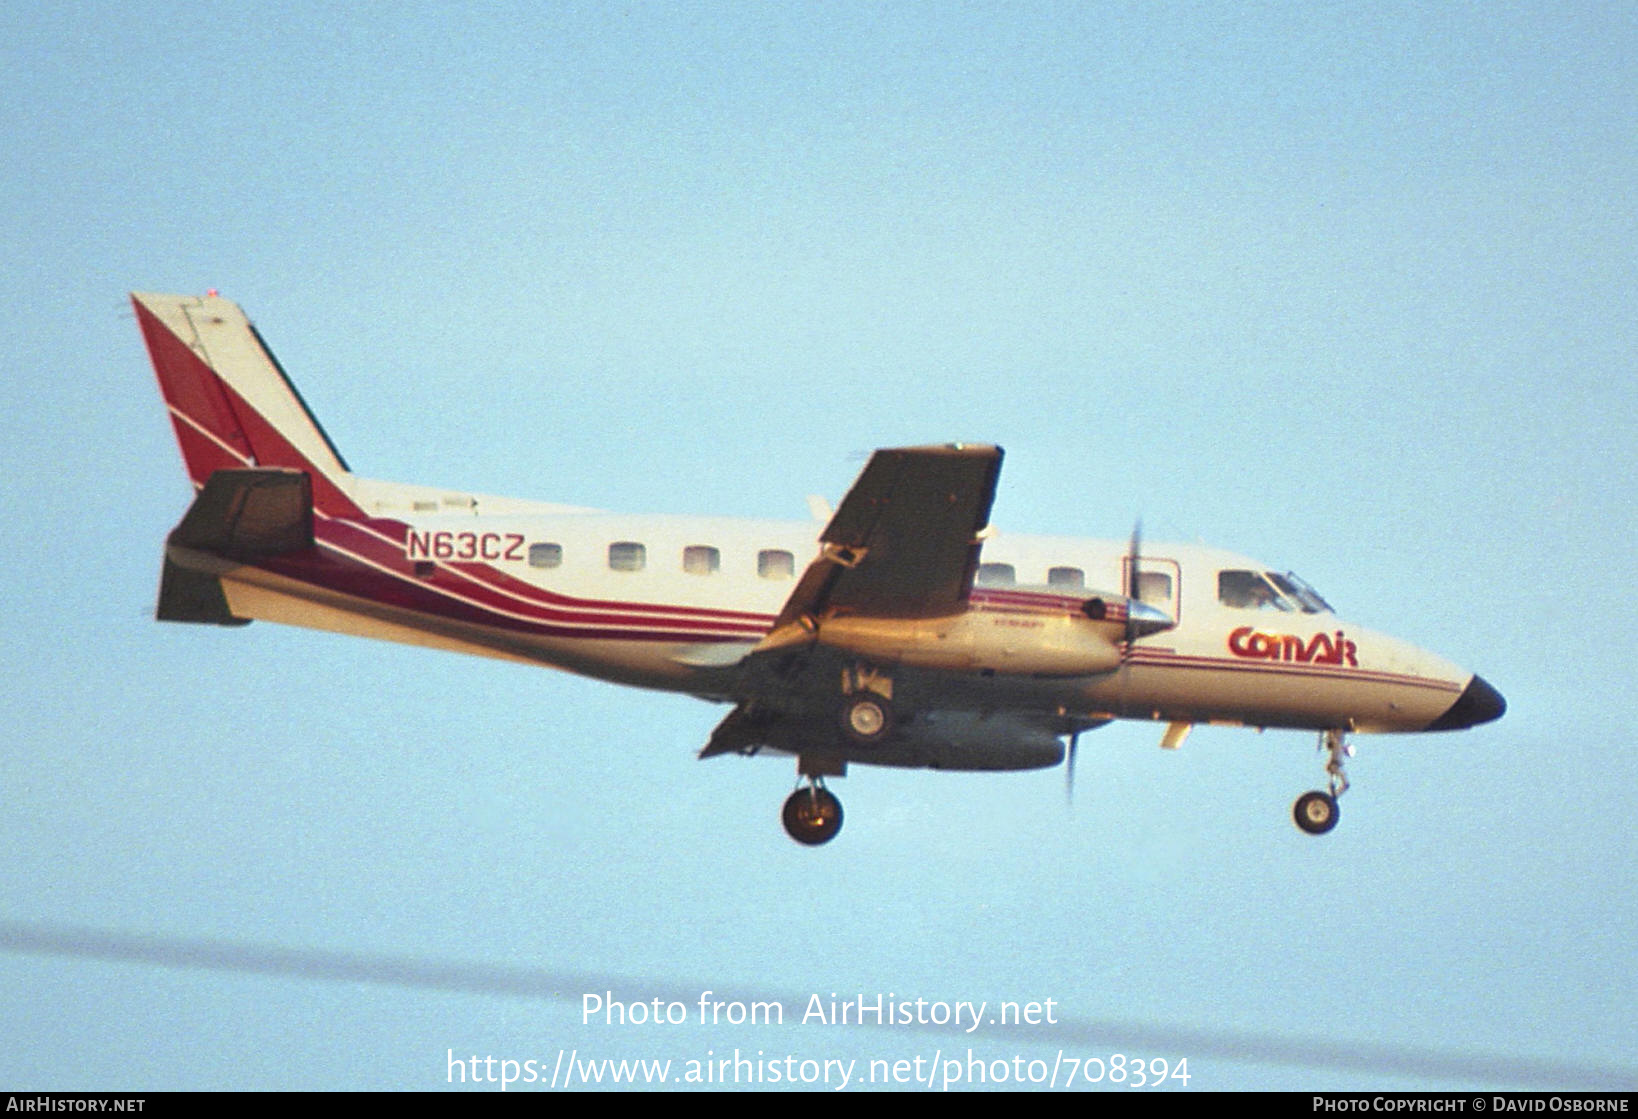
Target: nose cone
(1478, 703)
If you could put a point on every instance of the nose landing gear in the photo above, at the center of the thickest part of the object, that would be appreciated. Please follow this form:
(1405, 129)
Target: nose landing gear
(1316, 812)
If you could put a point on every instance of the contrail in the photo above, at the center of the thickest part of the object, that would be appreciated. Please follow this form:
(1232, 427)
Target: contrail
(513, 981)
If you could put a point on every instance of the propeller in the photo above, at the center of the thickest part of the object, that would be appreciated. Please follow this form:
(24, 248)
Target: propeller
(1141, 620)
(1134, 554)
(1134, 606)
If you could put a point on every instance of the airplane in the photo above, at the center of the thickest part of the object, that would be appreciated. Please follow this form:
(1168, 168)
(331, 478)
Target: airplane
(905, 633)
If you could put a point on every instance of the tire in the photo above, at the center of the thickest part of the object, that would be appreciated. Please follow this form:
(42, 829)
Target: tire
(812, 816)
(867, 718)
(1315, 812)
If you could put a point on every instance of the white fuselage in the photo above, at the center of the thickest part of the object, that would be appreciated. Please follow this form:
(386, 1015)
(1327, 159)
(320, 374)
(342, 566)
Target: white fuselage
(672, 602)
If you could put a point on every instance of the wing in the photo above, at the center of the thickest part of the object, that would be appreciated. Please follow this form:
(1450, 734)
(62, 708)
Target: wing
(904, 542)
(902, 547)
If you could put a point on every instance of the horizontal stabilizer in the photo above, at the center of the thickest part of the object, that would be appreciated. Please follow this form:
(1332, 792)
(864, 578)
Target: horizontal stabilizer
(244, 514)
(193, 596)
(239, 515)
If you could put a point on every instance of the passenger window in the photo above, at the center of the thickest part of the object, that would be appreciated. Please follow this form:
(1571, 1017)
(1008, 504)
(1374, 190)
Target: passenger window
(545, 555)
(996, 575)
(1069, 578)
(775, 564)
(627, 556)
(700, 559)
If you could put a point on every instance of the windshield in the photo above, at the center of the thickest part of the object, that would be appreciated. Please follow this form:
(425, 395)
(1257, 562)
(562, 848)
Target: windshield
(1310, 599)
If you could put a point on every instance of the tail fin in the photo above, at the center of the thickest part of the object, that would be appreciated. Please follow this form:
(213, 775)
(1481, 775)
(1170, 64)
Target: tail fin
(230, 402)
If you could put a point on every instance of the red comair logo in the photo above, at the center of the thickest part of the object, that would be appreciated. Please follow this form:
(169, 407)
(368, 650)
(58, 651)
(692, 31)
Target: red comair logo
(1322, 648)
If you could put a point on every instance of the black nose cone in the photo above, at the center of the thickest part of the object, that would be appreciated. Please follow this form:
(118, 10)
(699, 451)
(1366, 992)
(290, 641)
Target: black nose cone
(1478, 703)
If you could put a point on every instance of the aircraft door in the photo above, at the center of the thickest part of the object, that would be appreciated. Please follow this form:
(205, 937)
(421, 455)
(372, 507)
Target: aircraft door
(1160, 583)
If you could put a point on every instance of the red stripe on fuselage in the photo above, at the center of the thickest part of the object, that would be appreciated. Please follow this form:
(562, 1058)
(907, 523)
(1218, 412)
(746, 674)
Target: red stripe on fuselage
(374, 541)
(395, 533)
(331, 567)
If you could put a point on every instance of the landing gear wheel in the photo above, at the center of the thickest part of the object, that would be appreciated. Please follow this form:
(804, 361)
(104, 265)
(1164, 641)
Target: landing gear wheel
(867, 718)
(813, 816)
(1315, 812)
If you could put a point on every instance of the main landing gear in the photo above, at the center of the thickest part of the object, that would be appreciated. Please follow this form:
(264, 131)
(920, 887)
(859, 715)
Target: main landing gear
(866, 715)
(1316, 812)
(812, 814)
(867, 718)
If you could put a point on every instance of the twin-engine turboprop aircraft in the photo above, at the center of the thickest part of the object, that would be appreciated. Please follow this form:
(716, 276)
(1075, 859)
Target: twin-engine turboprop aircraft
(905, 635)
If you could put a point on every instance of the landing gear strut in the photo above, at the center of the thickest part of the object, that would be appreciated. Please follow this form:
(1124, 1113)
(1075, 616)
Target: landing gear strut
(1316, 812)
(812, 814)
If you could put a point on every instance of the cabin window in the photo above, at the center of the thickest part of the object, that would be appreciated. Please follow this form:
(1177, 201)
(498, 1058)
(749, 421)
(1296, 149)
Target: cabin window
(996, 575)
(545, 555)
(1070, 578)
(772, 563)
(700, 559)
(626, 555)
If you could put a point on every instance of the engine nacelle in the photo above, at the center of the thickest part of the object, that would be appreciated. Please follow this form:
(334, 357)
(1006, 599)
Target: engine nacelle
(1052, 639)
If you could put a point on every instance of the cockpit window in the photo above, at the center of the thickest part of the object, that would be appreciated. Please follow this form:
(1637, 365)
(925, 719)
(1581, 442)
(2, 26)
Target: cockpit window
(1307, 597)
(1254, 590)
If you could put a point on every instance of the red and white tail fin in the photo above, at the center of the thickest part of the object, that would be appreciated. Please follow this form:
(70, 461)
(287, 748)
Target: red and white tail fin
(230, 402)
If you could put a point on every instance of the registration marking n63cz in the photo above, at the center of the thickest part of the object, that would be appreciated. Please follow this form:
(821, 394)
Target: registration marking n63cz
(468, 546)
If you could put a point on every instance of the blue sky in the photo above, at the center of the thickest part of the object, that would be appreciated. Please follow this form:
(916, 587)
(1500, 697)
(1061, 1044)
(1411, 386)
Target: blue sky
(1347, 288)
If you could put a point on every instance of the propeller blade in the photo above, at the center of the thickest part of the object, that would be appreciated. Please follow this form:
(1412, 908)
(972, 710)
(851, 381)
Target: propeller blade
(1134, 552)
(1069, 769)
(1134, 582)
